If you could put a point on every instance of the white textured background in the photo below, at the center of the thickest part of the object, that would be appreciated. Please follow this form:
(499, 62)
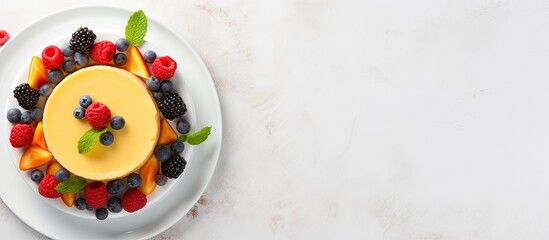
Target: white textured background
(365, 119)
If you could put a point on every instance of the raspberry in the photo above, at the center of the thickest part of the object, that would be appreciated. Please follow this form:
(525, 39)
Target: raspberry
(52, 57)
(47, 187)
(96, 195)
(21, 135)
(103, 52)
(163, 68)
(98, 115)
(4, 37)
(133, 200)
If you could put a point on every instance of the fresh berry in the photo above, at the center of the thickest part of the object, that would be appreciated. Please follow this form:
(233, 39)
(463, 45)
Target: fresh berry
(164, 68)
(134, 180)
(4, 37)
(36, 113)
(47, 187)
(160, 180)
(46, 89)
(79, 113)
(101, 213)
(162, 153)
(55, 76)
(120, 59)
(103, 52)
(115, 205)
(62, 174)
(133, 200)
(177, 147)
(67, 50)
(166, 86)
(82, 40)
(88, 207)
(122, 44)
(21, 135)
(149, 56)
(96, 194)
(85, 101)
(52, 57)
(80, 204)
(158, 95)
(14, 115)
(117, 186)
(117, 122)
(183, 126)
(69, 66)
(174, 166)
(98, 115)
(26, 96)
(106, 138)
(81, 59)
(172, 106)
(153, 84)
(37, 175)
(26, 117)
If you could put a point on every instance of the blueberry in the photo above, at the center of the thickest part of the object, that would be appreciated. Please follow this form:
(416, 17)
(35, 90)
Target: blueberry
(37, 175)
(106, 138)
(69, 66)
(162, 153)
(36, 113)
(85, 101)
(67, 50)
(183, 126)
(153, 84)
(117, 186)
(62, 174)
(117, 122)
(161, 180)
(149, 56)
(81, 204)
(79, 113)
(120, 59)
(166, 86)
(134, 180)
(115, 205)
(177, 147)
(101, 213)
(55, 76)
(88, 207)
(46, 89)
(26, 117)
(14, 115)
(122, 44)
(158, 95)
(81, 59)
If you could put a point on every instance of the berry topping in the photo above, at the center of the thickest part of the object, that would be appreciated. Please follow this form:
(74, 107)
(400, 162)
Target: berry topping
(46, 89)
(106, 138)
(166, 86)
(62, 174)
(26, 96)
(172, 106)
(183, 126)
(81, 59)
(103, 52)
(14, 115)
(98, 115)
(161, 180)
(4, 37)
(47, 187)
(115, 205)
(153, 84)
(80, 204)
(162, 153)
(85, 101)
(117, 186)
(149, 56)
(21, 135)
(134, 180)
(177, 147)
(101, 213)
(79, 113)
(164, 68)
(36, 113)
(37, 175)
(26, 117)
(120, 59)
(67, 50)
(158, 96)
(82, 40)
(96, 195)
(122, 44)
(133, 200)
(174, 166)
(55, 76)
(69, 66)
(52, 57)
(117, 122)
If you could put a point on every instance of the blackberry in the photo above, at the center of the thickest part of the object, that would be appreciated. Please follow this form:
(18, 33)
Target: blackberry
(172, 106)
(174, 166)
(82, 40)
(26, 96)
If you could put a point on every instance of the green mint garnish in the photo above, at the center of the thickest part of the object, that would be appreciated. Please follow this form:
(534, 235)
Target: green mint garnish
(200, 136)
(136, 29)
(71, 185)
(89, 139)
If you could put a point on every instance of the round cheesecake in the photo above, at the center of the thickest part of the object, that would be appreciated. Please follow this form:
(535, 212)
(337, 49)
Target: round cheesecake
(125, 95)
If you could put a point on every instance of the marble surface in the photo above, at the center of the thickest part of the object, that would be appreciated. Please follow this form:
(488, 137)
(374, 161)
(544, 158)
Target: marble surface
(363, 119)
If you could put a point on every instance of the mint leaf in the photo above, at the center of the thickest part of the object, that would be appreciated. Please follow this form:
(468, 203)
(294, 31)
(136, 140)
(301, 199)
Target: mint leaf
(89, 139)
(200, 136)
(182, 138)
(71, 185)
(136, 28)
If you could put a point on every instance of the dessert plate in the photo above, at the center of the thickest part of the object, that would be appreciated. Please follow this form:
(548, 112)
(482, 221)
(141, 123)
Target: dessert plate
(172, 201)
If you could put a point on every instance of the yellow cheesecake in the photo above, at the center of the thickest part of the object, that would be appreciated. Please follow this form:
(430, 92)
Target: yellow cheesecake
(126, 95)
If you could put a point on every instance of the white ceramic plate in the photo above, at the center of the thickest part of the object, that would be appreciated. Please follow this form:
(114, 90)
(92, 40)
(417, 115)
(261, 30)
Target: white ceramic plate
(167, 204)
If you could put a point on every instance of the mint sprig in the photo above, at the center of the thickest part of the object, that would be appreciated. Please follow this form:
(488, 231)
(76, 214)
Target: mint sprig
(89, 139)
(136, 28)
(197, 137)
(71, 185)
